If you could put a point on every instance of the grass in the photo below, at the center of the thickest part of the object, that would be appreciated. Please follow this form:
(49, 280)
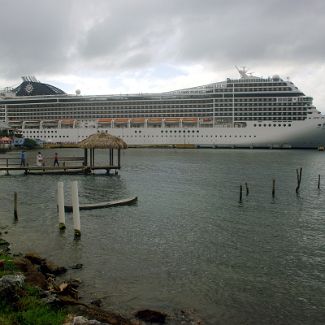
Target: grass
(9, 266)
(29, 309)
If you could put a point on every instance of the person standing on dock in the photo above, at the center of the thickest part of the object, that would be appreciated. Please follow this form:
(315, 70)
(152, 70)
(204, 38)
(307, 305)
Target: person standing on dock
(22, 157)
(56, 160)
(39, 159)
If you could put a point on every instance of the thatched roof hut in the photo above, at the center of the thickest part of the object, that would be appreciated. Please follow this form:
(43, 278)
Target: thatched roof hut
(102, 141)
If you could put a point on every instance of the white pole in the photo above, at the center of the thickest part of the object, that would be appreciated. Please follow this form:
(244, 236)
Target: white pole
(75, 208)
(61, 206)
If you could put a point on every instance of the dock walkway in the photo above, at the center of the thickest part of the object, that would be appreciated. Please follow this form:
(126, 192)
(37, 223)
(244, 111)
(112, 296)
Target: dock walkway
(68, 165)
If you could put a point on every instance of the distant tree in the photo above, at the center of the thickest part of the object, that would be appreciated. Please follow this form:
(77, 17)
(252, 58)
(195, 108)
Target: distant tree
(30, 144)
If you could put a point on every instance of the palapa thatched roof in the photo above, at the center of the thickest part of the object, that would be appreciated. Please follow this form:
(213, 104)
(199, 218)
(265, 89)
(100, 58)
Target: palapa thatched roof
(102, 141)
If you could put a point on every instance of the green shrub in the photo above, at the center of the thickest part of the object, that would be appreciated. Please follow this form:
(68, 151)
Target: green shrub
(9, 266)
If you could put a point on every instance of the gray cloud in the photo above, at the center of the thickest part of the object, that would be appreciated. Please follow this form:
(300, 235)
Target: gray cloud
(47, 37)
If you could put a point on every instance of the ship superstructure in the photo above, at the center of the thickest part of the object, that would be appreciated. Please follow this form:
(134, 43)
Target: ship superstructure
(246, 112)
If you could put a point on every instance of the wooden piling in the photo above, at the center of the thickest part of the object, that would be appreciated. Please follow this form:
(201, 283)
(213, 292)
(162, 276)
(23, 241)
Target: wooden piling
(299, 174)
(318, 186)
(247, 189)
(75, 208)
(61, 206)
(273, 188)
(240, 194)
(15, 205)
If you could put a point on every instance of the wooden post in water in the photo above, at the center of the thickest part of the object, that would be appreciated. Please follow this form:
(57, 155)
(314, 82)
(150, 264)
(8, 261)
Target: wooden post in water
(318, 186)
(75, 208)
(299, 173)
(61, 206)
(15, 205)
(240, 194)
(247, 189)
(273, 187)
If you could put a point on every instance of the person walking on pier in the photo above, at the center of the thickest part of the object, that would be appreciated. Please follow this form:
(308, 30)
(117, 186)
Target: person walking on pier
(22, 158)
(39, 159)
(56, 160)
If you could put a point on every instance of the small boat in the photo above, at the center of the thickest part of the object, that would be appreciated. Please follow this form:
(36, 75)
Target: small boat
(99, 205)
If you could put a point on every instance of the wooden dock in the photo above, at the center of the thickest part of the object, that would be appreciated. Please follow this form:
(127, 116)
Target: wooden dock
(68, 165)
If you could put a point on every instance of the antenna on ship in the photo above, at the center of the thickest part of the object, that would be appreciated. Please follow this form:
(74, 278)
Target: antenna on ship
(243, 72)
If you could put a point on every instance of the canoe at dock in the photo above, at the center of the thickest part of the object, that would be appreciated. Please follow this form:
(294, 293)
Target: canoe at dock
(99, 205)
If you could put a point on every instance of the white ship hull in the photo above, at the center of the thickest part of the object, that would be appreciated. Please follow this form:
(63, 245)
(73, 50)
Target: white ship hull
(300, 134)
(247, 112)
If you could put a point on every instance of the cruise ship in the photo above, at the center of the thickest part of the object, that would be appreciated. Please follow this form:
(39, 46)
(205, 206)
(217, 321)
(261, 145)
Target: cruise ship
(247, 112)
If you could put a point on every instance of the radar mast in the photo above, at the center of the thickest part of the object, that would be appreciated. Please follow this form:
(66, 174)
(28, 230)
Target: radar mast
(243, 72)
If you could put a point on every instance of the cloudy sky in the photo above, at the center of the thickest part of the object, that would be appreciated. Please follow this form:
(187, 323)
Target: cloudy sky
(132, 46)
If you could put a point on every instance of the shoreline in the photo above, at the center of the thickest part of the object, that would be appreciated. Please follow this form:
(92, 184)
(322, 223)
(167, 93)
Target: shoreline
(45, 276)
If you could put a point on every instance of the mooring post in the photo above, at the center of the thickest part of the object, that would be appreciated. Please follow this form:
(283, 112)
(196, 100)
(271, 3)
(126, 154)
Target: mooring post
(273, 187)
(318, 186)
(299, 174)
(240, 194)
(75, 208)
(15, 205)
(247, 190)
(61, 206)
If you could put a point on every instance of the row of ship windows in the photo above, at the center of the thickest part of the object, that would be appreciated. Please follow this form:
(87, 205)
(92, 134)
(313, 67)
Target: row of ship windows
(202, 136)
(253, 106)
(269, 125)
(160, 107)
(194, 114)
(159, 104)
(157, 136)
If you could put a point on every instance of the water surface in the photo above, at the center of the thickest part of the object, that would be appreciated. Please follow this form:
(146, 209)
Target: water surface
(188, 244)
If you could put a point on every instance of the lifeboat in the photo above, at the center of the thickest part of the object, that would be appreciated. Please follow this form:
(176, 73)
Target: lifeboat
(189, 120)
(121, 120)
(172, 120)
(207, 119)
(138, 120)
(104, 120)
(154, 120)
(67, 121)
